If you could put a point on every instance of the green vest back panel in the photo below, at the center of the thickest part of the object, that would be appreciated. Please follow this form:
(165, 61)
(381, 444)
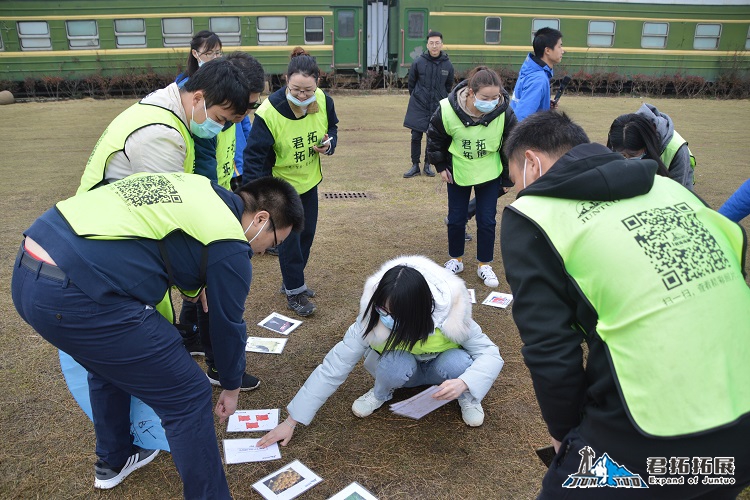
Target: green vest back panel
(226, 145)
(435, 343)
(664, 274)
(671, 150)
(475, 149)
(296, 160)
(113, 140)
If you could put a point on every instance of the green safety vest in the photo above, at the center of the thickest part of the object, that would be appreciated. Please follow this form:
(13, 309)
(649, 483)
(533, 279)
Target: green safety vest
(113, 139)
(664, 274)
(475, 149)
(671, 150)
(296, 160)
(435, 343)
(226, 145)
(152, 206)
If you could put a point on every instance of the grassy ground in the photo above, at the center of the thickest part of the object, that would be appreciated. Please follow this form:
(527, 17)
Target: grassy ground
(48, 449)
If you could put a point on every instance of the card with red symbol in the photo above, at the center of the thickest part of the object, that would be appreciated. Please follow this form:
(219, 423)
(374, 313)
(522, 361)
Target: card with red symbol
(253, 420)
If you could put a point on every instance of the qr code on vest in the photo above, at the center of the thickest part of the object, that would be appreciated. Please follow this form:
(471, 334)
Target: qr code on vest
(147, 190)
(678, 244)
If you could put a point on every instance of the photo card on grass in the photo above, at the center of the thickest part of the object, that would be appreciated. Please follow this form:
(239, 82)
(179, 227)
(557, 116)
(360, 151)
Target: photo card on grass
(265, 345)
(497, 299)
(279, 323)
(354, 491)
(253, 420)
(287, 482)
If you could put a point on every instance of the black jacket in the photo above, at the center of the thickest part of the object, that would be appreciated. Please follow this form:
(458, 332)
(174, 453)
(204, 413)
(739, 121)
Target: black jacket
(430, 79)
(547, 302)
(438, 140)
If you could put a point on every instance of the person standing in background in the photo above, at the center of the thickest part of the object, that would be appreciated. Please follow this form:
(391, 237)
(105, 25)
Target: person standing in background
(430, 80)
(532, 93)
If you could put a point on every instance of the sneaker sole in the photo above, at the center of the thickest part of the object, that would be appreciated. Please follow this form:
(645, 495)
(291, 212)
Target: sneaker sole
(242, 389)
(111, 483)
(197, 353)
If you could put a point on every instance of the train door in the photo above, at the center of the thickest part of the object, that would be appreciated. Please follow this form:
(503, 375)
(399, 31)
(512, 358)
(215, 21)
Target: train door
(377, 34)
(413, 37)
(347, 38)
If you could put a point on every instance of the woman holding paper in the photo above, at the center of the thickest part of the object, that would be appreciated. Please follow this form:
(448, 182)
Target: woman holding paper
(414, 328)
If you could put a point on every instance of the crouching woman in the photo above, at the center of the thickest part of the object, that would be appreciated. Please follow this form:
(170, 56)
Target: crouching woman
(414, 328)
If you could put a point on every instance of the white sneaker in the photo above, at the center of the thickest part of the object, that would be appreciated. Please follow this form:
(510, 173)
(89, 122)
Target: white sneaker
(454, 265)
(488, 275)
(366, 404)
(471, 412)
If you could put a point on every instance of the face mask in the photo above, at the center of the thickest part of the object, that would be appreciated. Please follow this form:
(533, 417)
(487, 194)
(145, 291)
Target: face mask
(206, 130)
(259, 231)
(639, 157)
(200, 63)
(299, 103)
(388, 321)
(524, 170)
(485, 106)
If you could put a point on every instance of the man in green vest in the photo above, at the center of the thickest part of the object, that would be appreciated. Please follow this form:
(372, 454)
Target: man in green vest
(598, 249)
(88, 278)
(156, 133)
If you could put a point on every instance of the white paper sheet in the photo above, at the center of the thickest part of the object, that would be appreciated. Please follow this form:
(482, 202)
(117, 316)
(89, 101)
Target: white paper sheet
(253, 420)
(237, 451)
(265, 345)
(420, 405)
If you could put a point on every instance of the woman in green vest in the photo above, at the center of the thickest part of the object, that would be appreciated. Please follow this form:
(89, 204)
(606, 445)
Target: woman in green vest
(414, 328)
(292, 128)
(464, 143)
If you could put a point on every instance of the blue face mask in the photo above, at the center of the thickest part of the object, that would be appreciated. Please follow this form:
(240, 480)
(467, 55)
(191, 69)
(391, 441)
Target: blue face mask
(385, 318)
(299, 103)
(485, 106)
(206, 130)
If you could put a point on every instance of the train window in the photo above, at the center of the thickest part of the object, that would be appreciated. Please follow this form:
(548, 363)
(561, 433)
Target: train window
(492, 28)
(345, 24)
(537, 24)
(707, 36)
(130, 33)
(314, 30)
(34, 35)
(177, 31)
(82, 34)
(228, 29)
(654, 35)
(2, 47)
(747, 41)
(601, 33)
(272, 30)
(416, 25)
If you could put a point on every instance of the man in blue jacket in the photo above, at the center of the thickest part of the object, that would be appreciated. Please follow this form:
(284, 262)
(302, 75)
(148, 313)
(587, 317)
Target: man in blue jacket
(532, 93)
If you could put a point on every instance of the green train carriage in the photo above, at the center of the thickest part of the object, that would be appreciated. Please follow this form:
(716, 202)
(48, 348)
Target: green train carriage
(74, 39)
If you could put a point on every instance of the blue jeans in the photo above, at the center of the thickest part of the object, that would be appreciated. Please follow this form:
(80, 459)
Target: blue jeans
(401, 369)
(458, 202)
(129, 349)
(295, 251)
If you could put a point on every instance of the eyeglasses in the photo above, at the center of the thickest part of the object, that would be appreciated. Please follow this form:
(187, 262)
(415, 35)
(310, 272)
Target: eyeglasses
(381, 311)
(273, 226)
(434, 44)
(211, 53)
(255, 105)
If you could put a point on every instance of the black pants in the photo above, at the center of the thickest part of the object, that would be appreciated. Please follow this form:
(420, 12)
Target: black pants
(416, 147)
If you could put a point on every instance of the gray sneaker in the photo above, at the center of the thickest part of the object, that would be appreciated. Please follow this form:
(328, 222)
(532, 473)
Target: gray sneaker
(106, 476)
(300, 304)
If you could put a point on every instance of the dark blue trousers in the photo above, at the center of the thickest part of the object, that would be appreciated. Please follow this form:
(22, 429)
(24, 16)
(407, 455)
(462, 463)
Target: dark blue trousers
(486, 201)
(129, 349)
(295, 251)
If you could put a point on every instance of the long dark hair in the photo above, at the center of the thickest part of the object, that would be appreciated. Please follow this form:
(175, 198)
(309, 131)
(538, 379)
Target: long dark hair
(209, 39)
(405, 294)
(303, 63)
(635, 132)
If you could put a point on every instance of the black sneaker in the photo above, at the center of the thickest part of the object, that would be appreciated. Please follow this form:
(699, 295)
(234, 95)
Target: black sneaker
(106, 477)
(309, 292)
(192, 341)
(300, 304)
(467, 236)
(249, 382)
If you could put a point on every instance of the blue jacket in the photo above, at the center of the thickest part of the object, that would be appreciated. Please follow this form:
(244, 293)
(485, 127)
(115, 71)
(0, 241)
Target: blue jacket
(110, 270)
(737, 207)
(259, 154)
(531, 93)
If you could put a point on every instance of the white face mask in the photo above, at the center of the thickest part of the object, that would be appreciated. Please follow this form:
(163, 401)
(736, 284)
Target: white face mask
(259, 231)
(524, 170)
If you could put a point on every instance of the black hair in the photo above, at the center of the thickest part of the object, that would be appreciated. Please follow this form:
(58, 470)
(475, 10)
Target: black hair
(482, 76)
(635, 132)
(405, 294)
(303, 63)
(549, 132)
(545, 38)
(278, 198)
(434, 33)
(206, 38)
(251, 69)
(223, 83)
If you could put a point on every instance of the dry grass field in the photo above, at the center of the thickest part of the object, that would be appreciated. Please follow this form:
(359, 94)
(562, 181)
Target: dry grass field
(48, 446)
